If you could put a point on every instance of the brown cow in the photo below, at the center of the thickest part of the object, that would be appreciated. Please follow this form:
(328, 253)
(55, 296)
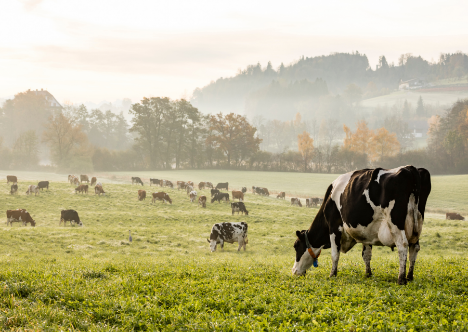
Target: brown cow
(93, 180)
(169, 184)
(454, 216)
(76, 182)
(202, 201)
(82, 188)
(98, 190)
(190, 183)
(201, 185)
(141, 195)
(181, 185)
(281, 195)
(209, 185)
(84, 178)
(237, 194)
(11, 178)
(296, 201)
(20, 215)
(161, 196)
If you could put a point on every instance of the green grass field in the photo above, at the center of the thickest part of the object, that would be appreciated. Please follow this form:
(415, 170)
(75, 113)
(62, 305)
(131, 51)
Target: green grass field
(92, 278)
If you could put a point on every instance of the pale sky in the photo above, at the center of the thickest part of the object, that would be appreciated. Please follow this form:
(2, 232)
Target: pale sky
(105, 50)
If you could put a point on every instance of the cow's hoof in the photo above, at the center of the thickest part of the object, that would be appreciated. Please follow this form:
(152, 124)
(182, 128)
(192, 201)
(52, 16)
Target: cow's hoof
(333, 274)
(402, 281)
(409, 277)
(368, 274)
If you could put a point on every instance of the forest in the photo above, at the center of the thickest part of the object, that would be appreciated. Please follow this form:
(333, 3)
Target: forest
(320, 87)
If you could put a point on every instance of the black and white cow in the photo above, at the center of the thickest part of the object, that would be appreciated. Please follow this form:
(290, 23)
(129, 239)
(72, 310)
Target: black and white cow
(220, 197)
(137, 180)
(229, 232)
(239, 207)
(373, 207)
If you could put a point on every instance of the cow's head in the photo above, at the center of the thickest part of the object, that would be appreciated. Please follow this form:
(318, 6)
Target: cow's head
(167, 198)
(33, 223)
(304, 259)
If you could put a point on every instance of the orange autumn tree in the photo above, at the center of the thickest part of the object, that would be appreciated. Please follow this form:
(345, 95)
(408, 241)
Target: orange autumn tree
(359, 141)
(306, 147)
(384, 144)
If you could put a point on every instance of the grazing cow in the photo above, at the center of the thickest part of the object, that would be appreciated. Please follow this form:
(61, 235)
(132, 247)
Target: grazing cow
(11, 178)
(239, 207)
(155, 182)
(32, 189)
(190, 183)
(202, 201)
(254, 190)
(222, 185)
(161, 196)
(70, 177)
(136, 180)
(314, 201)
(265, 192)
(237, 194)
(19, 215)
(201, 185)
(220, 197)
(71, 216)
(453, 216)
(189, 189)
(193, 196)
(82, 188)
(93, 181)
(181, 185)
(214, 192)
(209, 185)
(76, 182)
(373, 207)
(84, 178)
(262, 191)
(14, 188)
(296, 201)
(169, 184)
(244, 190)
(229, 232)
(141, 195)
(98, 190)
(281, 195)
(43, 184)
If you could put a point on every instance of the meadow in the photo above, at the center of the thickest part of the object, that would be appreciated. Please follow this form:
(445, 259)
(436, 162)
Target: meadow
(92, 278)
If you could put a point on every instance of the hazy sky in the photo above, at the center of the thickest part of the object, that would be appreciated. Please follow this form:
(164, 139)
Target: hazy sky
(106, 50)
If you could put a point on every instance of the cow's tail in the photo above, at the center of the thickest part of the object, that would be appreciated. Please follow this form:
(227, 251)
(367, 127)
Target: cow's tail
(417, 193)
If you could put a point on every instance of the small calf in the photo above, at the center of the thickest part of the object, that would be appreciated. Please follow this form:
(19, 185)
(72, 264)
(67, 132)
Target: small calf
(202, 201)
(141, 195)
(193, 196)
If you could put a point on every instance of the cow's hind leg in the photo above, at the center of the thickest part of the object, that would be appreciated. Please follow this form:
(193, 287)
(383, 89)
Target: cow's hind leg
(413, 253)
(335, 241)
(367, 256)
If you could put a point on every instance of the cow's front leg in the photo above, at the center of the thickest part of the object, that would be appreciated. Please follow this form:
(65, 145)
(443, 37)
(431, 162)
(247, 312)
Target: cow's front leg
(221, 244)
(367, 256)
(241, 243)
(335, 240)
(413, 253)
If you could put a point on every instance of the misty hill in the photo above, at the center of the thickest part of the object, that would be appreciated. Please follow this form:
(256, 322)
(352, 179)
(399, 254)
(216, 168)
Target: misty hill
(311, 84)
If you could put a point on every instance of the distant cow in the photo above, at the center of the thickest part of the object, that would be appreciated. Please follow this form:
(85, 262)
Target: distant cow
(209, 185)
(262, 191)
(161, 196)
(14, 188)
(181, 185)
(93, 181)
(98, 190)
(169, 184)
(229, 232)
(19, 215)
(239, 207)
(254, 190)
(141, 195)
(43, 184)
(71, 216)
(155, 182)
(84, 178)
(193, 196)
(244, 190)
(281, 195)
(70, 177)
(296, 201)
(223, 185)
(214, 192)
(220, 197)
(82, 188)
(237, 194)
(453, 216)
(11, 178)
(202, 201)
(314, 201)
(76, 182)
(201, 185)
(189, 189)
(32, 189)
(137, 180)
(190, 183)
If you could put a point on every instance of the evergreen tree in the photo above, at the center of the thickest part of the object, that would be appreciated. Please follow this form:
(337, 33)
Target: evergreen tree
(406, 110)
(420, 111)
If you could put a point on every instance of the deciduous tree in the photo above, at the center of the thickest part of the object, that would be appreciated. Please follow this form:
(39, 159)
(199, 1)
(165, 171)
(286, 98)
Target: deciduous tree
(306, 147)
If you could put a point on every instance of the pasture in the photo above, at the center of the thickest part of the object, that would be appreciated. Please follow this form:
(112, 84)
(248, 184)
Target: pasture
(92, 278)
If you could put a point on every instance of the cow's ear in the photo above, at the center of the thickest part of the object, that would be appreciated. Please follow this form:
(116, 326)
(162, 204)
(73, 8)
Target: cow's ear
(298, 233)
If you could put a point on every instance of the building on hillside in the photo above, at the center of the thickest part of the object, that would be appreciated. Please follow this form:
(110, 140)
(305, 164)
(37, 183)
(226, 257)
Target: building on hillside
(414, 83)
(49, 97)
